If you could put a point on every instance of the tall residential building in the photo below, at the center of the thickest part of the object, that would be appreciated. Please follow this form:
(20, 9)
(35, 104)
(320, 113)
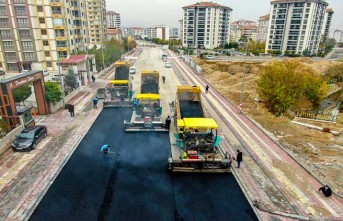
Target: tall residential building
(36, 35)
(327, 22)
(336, 34)
(205, 25)
(159, 31)
(243, 28)
(296, 25)
(262, 28)
(96, 12)
(174, 32)
(136, 32)
(113, 19)
(180, 24)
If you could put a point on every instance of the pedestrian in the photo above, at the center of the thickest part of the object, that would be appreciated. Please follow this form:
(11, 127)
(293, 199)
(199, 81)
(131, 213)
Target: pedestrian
(93, 78)
(240, 107)
(163, 79)
(168, 121)
(105, 148)
(239, 158)
(326, 190)
(206, 89)
(95, 102)
(71, 109)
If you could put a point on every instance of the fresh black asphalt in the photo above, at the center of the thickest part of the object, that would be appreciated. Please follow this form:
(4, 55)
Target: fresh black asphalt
(134, 183)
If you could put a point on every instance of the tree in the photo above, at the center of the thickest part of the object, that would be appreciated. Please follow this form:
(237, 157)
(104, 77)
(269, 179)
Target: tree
(22, 93)
(70, 80)
(285, 85)
(335, 72)
(307, 53)
(53, 92)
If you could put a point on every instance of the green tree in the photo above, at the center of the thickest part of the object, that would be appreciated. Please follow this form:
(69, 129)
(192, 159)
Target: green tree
(22, 93)
(287, 84)
(53, 92)
(70, 81)
(307, 53)
(335, 72)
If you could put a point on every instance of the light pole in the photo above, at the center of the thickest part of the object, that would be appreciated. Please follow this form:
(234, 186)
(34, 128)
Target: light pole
(245, 64)
(61, 82)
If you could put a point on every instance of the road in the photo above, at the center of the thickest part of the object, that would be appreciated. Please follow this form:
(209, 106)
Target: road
(134, 183)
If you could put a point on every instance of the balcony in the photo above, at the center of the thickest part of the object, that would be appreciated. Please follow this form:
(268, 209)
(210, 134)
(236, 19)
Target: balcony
(8, 47)
(19, 1)
(23, 25)
(7, 37)
(4, 24)
(56, 3)
(28, 48)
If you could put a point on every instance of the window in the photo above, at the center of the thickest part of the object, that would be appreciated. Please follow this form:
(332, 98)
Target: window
(10, 56)
(45, 43)
(27, 45)
(29, 56)
(6, 34)
(48, 64)
(40, 8)
(47, 53)
(3, 10)
(20, 10)
(22, 22)
(4, 22)
(41, 20)
(24, 34)
(12, 67)
(8, 45)
(43, 31)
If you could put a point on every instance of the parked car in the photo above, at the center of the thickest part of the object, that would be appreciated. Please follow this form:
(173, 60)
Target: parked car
(167, 65)
(132, 70)
(45, 73)
(56, 77)
(29, 138)
(210, 57)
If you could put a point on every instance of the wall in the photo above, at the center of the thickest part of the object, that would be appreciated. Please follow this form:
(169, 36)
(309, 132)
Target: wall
(6, 141)
(53, 108)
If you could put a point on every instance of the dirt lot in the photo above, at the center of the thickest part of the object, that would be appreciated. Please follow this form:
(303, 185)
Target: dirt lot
(320, 152)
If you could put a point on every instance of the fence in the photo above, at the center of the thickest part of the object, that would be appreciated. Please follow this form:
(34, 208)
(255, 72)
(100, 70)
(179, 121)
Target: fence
(315, 115)
(6, 141)
(54, 107)
(193, 65)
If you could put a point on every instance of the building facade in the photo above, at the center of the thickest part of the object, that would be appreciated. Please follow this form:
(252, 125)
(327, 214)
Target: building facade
(262, 28)
(174, 33)
(296, 25)
(36, 36)
(96, 13)
(114, 33)
(327, 22)
(159, 31)
(137, 32)
(243, 28)
(205, 25)
(113, 19)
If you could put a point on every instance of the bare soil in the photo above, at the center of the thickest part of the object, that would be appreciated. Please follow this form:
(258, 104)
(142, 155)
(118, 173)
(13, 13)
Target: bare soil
(320, 152)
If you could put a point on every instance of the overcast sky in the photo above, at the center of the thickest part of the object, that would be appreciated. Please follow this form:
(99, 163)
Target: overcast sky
(145, 13)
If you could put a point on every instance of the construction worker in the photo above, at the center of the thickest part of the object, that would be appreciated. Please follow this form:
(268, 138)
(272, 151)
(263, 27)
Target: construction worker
(326, 190)
(95, 102)
(163, 79)
(206, 89)
(105, 148)
(168, 121)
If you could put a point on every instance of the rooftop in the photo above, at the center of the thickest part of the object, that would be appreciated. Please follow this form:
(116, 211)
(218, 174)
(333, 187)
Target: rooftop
(206, 4)
(76, 58)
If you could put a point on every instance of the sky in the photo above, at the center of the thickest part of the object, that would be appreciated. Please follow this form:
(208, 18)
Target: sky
(146, 13)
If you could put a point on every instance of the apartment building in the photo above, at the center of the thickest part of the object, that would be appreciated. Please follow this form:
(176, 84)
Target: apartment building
(205, 25)
(159, 31)
(137, 32)
(262, 28)
(296, 25)
(243, 28)
(113, 19)
(174, 32)
(114, 33)
(327, 23)
(96, 13)
(36, 35)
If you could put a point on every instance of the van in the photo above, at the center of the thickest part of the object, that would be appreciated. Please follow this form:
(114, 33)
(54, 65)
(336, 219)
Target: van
(56, 77)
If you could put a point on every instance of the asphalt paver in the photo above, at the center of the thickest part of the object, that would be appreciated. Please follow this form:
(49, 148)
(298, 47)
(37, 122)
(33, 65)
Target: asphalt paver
(133, 183)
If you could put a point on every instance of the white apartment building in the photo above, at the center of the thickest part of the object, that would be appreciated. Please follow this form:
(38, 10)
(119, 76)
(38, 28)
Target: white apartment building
(336, 34)
(159, 31)
(262, 28)
(296, 25)
(205, 25)
(137, 32)
(113, 19)
(96, 13)
(36, 35)
(327, 22)
(243, 28)
(180, 24)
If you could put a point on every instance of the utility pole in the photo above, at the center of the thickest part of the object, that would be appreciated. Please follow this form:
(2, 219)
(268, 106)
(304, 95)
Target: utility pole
(245, 64)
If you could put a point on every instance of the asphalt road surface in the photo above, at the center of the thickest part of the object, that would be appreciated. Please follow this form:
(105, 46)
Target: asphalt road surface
(134, 183)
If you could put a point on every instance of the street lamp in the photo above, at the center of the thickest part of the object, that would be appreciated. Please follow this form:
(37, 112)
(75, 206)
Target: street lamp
(245, 64)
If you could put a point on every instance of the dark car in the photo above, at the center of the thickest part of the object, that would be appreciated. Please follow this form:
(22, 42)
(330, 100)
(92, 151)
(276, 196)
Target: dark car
(29, 137)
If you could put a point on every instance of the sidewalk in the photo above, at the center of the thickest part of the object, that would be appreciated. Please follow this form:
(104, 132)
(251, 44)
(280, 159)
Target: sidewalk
(20, 188)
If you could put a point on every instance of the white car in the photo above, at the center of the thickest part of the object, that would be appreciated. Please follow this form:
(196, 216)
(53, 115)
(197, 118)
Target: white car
(210, 57)
(45, 73)
(56, 77)
(132, 70)
(167, 65)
